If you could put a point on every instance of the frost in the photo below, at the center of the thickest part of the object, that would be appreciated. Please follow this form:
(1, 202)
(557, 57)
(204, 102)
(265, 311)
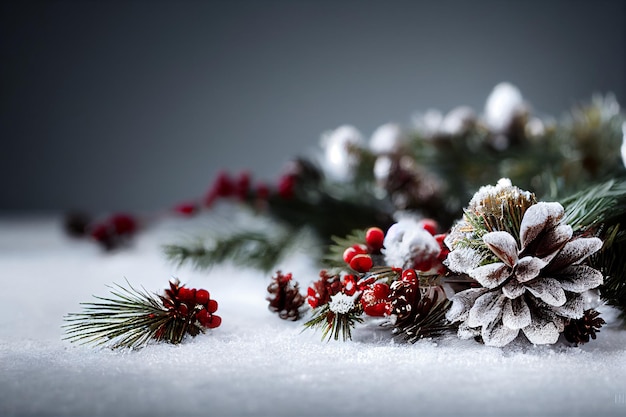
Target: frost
(491, 275)
(579, 278)
(503, 245)
(528, 268)
(497, 334)
(463, 260)
(552, 241)
(575, 251)
(543, 329)
(516, 314)
(572, 309)
(341, 303)
(513, 289)
(537, 218)
(462, 302)
(486, 309)
(548, 290)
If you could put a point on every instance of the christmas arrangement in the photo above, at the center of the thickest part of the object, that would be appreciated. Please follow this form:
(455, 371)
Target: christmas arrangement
(495, 227)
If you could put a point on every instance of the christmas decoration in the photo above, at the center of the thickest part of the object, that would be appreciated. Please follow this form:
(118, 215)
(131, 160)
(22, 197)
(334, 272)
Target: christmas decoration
(401, 245)
(135, 317)
(284, 297)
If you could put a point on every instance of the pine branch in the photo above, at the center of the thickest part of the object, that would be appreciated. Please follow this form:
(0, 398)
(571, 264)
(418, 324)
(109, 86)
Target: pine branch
(334, 254)
(333, 324)
(130, 320)
(245, 248)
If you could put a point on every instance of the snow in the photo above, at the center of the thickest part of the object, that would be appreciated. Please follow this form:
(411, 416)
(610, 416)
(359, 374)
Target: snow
(255, 363)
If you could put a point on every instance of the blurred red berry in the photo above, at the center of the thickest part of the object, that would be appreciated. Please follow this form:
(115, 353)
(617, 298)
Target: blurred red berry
(374, 237)
(361, 263)
(202, 297)
(429, 225)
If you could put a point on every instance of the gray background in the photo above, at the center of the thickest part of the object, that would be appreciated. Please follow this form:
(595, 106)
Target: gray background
(136, 105)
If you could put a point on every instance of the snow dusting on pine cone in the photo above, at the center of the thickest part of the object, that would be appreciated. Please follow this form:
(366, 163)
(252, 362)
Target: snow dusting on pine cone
(407, 244)
(536, 285)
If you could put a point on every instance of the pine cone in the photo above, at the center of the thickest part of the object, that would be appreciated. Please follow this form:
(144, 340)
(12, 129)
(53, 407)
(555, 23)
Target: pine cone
(535, 283)
(426, 316)
(536, 289)
(578, 331)
(416, 313)
(285, 298)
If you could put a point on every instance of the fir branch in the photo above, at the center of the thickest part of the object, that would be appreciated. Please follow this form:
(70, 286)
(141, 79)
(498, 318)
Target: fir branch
(130, 320)
(334, 253)
(333, 324)
(245, 248)
(601, 204)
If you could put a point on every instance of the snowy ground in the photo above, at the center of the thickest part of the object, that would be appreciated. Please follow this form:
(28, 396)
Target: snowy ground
(255, 363)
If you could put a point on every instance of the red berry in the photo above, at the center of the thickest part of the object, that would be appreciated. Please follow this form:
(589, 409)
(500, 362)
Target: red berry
(204, 317)
(262, 191)
(123, 224)
(286, 186)
(409, 275)
(202, 297)
(429, 225)
(100, 232)
(243, 185)
(381, 291)
(312, 298)
(186, 209)
(361, 263)
(352, 251)
(349, 285)
(374, 238)
(183, 310)
(424, 265)
(187, 295)
(377, 310)
(214, 322)
(212, 306)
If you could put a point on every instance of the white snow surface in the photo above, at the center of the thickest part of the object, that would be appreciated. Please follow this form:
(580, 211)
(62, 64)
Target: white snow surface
(256, 364)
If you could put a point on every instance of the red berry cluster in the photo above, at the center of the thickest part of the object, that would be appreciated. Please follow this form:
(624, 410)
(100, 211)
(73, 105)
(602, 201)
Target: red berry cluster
(192, 305)
(359, 256)
(114, 231)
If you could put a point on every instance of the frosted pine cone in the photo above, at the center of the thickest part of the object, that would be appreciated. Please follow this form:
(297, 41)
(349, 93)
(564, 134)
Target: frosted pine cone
(535, 287)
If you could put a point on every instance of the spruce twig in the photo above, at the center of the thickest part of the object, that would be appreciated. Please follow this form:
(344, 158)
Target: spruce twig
(246, 248)
(130, 320)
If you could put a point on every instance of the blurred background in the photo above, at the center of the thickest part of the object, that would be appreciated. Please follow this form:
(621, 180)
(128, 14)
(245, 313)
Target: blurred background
(136, 105)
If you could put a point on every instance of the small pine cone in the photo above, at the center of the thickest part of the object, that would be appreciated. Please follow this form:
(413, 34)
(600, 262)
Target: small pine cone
(578, 331)
(404, 296)
(284, 297)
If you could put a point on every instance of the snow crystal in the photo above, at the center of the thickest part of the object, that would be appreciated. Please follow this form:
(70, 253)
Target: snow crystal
(341, 303)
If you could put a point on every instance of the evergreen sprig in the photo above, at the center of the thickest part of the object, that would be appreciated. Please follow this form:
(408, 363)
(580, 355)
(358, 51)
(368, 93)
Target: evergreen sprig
(333, 258)
(130, 320)
(333, 324)
(244, 248)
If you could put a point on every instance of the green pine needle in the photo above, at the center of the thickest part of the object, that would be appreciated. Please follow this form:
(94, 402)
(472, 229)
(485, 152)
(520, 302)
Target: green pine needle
(130, 320)
(246, 248)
